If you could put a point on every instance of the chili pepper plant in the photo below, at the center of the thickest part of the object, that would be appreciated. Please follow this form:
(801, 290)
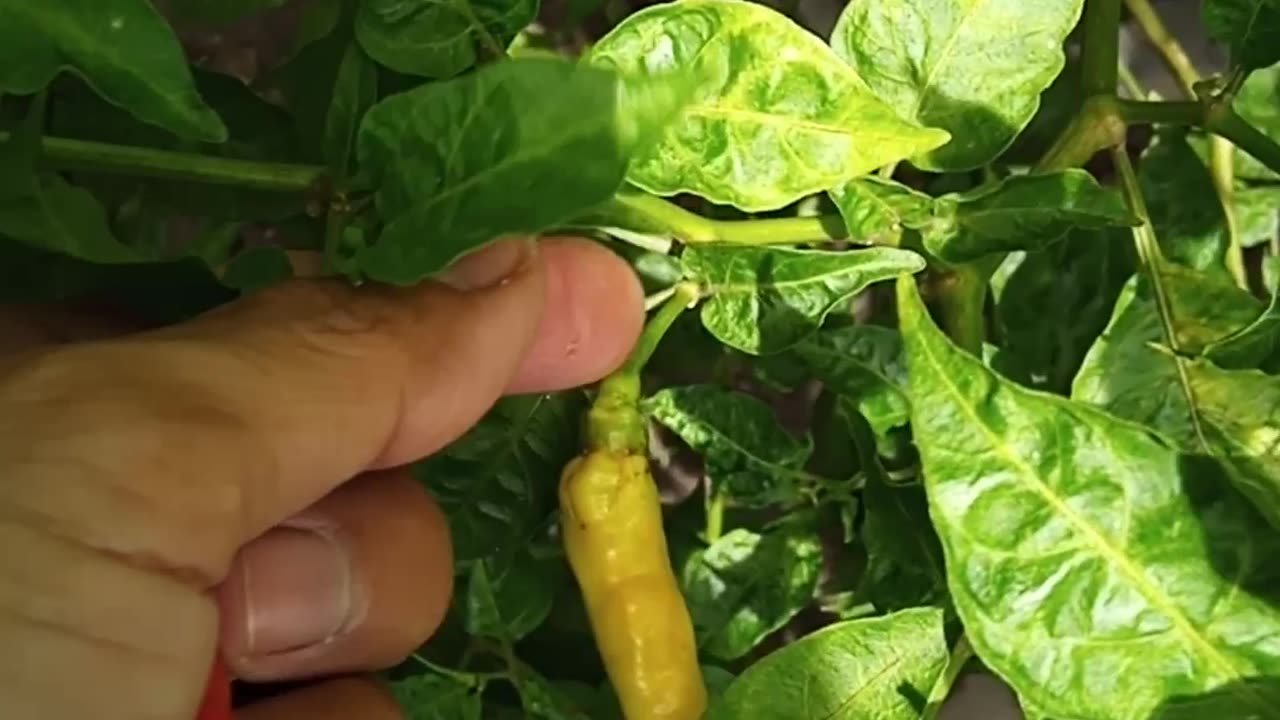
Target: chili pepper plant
(965, 347)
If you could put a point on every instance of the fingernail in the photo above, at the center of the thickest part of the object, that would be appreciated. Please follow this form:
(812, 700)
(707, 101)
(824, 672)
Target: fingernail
(491, 266)
(297, 590)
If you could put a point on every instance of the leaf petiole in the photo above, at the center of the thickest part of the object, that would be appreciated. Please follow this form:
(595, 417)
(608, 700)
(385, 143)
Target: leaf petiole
(71, 154)
(649, 215)
(683, 296)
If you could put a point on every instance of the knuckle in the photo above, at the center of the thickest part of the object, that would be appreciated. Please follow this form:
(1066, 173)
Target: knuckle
(334, 320)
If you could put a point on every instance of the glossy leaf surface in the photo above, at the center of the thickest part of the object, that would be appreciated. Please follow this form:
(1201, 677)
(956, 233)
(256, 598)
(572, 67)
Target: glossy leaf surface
(1026, 212)
(1257, 211)
(874, 668)
(764, 300)
(123, 47)
(1256, 345)
(775, 115)
(747, 585)
(1251, 28)
(1096, 569)
(497, 482)
(863, 363)
(460, 163)
(435, 697)
(876, 211)
(439, 38)
(1183, 204)
(746, 450)
(1230, 414)
(509, 596)
(974, 68)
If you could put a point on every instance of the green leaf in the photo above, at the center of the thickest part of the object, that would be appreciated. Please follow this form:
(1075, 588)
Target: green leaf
(1095, 569)
(1023, 212)
(864, 364)
(764, 300)
(1183, 204)
(544, 700)
(496, 152)
(876, 211)
(904, 559)
(356, 91)
(1251, 28)
(1256, 104)
(46, 212)
(435, 697)
(257, 130)
(971, 67)
(439, 38)
(747, 452)
(1199, 407)
(1257, 212)
(1252, 345)
(258, 268)
(123, 48)
(880, 668)
(776, 115)
(162, 292)
(509, 596)
(219, 12)
(497, 482)
(746, 585)
(1051, 305)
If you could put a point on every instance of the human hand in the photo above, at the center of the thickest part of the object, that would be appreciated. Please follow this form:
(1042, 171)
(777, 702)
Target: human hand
(154, 482)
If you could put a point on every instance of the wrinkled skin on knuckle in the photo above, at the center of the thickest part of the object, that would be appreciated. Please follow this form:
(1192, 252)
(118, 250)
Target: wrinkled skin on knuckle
(333, 320)
(97, 461)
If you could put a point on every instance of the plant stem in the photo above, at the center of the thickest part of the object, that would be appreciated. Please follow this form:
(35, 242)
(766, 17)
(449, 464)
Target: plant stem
(1101, 64)
(1222, 120)
(70, 154)
(715, 513)
(614, 421)
(963, 296)
(652, 215)
(1151, 260)
(780, 231)
(1147, 245)
(1097, 126)
(1165, 43)
(960, 655)
(1222, 167)
(1214, 116)
(1130, 83)
(683, 296)
(1181, 112)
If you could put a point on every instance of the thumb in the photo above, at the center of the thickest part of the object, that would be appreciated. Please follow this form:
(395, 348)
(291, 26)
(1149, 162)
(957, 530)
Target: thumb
(230, 424)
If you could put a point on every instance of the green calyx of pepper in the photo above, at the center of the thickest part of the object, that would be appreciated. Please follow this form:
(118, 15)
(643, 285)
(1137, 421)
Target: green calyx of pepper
(614, 421)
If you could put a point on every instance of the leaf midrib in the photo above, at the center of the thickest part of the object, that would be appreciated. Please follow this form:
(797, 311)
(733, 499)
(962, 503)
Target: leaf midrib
(943, 56)
(1102, 546)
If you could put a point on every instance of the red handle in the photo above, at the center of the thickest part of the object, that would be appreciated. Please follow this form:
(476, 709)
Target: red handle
(217, 694)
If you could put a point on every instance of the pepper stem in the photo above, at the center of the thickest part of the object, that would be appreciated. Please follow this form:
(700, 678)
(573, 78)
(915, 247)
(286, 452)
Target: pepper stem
(614, 421)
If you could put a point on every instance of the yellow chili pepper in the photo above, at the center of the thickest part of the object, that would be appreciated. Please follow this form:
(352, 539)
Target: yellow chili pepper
(611, 520)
